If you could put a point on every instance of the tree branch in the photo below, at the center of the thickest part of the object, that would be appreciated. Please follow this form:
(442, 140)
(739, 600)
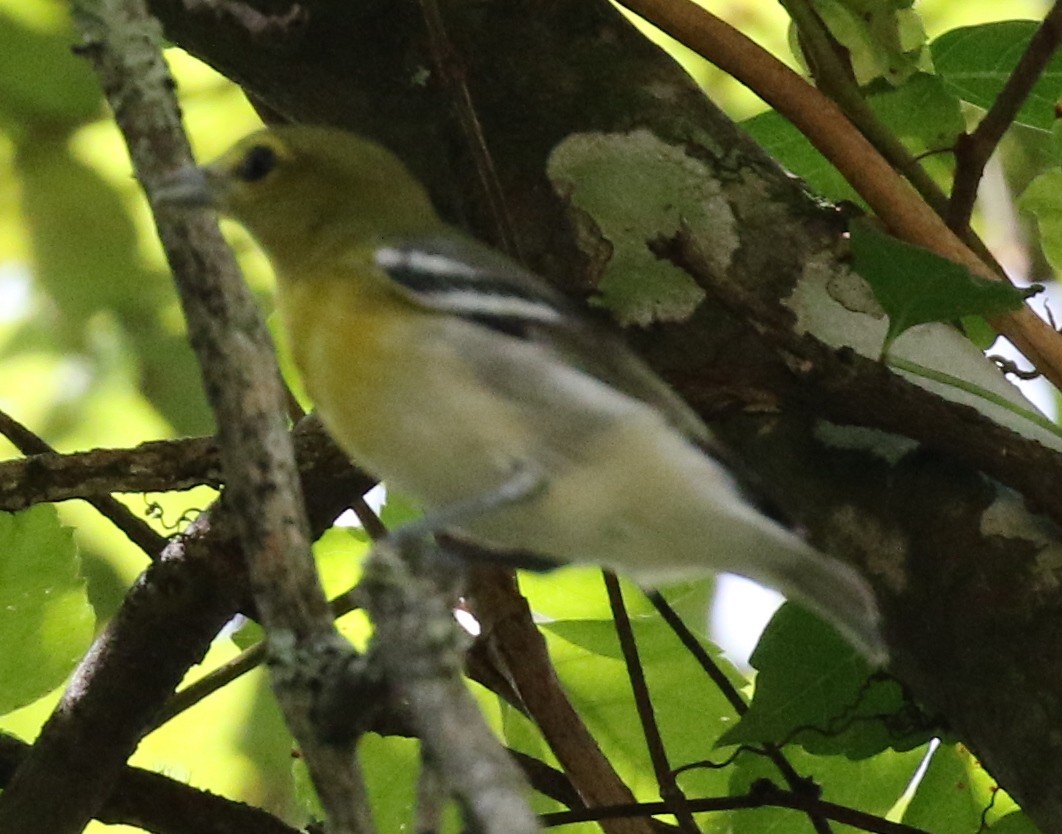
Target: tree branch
(159, 804)
(669, 788)
(763, 795)
(243, 386)
(136, 529)
(156, 466)
(420, 649)
(973, 150)
(830, 131)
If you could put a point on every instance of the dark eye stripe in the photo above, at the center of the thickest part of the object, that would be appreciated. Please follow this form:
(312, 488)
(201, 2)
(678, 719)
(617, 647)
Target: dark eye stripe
(256, 163)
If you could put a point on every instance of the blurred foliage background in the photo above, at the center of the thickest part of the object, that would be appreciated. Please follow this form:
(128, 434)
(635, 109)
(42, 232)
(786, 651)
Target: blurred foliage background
(92, 350)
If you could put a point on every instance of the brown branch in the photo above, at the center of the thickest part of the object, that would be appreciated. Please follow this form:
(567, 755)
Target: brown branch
(511, 639)
(136, 529)
(973, 150)
(156, 466)
(159, 804)
(829, 130)
(243, 386)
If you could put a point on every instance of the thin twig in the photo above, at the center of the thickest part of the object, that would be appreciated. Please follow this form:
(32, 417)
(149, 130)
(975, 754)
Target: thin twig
(764, 795)
(450, 69)
(138, 531)
(670, 791)
(796, 782)
(973, 150)
(250, 658)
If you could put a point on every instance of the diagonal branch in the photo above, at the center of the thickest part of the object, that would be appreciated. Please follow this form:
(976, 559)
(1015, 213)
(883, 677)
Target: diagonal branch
(418, 646)
(243, 386)
(973, 150)
(829, 130)
(670, 791)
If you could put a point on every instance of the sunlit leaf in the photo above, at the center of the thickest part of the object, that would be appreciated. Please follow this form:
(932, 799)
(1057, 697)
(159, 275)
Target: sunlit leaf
(46, 621)
(1043, 200)
(976, 61)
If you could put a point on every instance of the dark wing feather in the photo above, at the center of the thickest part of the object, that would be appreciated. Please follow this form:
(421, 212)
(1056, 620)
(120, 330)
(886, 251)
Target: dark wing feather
(458, 275)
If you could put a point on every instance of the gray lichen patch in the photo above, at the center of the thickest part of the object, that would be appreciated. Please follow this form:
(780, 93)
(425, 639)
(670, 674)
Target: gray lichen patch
(1008, 518)
(629, 190)
(882, 548)
(891, 448)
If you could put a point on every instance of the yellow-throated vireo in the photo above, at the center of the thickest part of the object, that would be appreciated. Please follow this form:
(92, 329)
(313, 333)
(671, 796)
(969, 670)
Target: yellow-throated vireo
(456, 376)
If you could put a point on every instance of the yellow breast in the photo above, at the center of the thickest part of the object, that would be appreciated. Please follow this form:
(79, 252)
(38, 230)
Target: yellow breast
(395, 388)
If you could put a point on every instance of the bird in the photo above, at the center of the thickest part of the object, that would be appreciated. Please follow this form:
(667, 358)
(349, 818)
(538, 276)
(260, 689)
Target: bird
(468, 383)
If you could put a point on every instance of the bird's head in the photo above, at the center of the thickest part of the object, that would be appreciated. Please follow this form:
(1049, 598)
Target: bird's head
(298, 186)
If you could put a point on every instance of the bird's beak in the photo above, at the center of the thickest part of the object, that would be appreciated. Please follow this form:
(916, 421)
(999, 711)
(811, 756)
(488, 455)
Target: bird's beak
(185, 188)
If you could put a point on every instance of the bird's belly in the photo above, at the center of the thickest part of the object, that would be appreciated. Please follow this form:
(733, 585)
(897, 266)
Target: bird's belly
(408, 410)
(445, 422)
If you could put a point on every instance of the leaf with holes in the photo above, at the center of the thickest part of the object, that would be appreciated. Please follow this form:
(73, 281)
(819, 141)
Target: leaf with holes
(46, 621)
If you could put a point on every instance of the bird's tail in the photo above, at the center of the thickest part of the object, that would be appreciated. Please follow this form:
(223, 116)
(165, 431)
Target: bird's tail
(825, 586)
(737, 539)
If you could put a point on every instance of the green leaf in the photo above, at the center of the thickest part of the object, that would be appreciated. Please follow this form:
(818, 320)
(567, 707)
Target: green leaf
(976, 61)
(884, 40)
(914, 286)
(945, 801)
(1016, 823)
(777, 135)
(922, 112)
(46, 621)
(1043, 200)
(41, 81)
(815, 690)
(690, 710)
(872, 785)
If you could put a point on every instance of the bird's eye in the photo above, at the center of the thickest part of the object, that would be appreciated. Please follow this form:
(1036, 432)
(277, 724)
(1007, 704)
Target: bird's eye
(256, 163)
